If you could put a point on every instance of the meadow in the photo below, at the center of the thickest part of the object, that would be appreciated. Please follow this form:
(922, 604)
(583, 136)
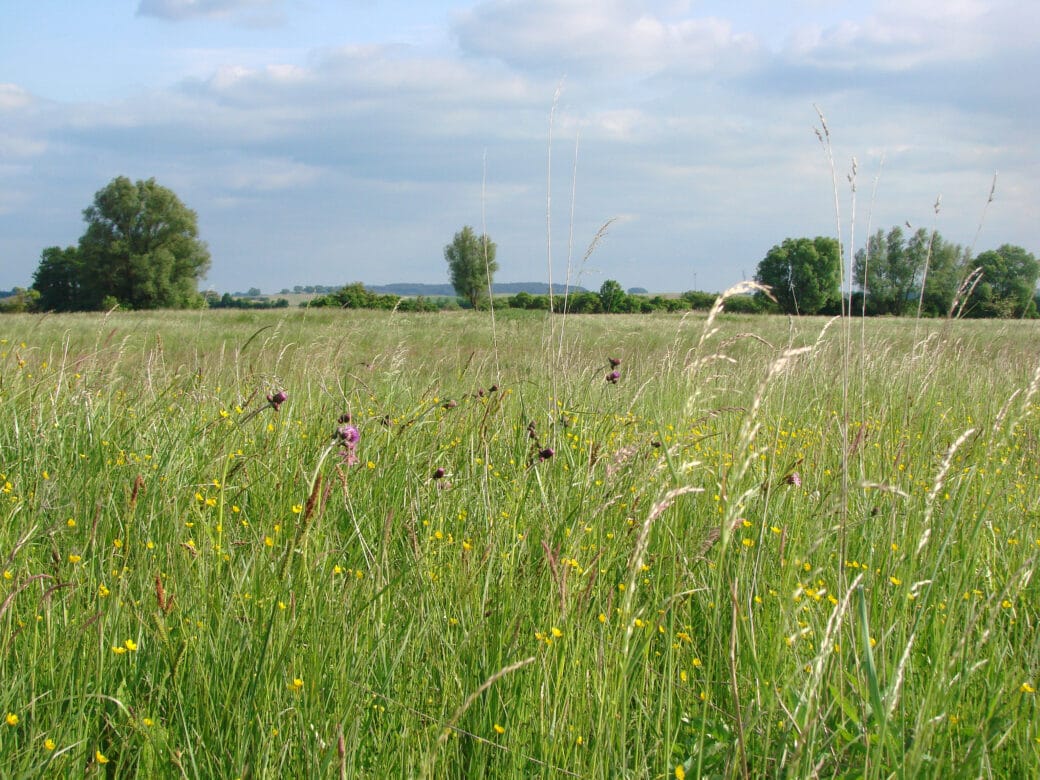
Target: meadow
(766, 547)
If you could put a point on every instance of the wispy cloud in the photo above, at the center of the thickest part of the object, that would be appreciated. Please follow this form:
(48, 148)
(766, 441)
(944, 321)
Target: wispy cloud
(605, 36)
(180, 10)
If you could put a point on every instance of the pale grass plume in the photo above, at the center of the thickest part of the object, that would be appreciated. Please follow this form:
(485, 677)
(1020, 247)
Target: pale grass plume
(639, 551)
(937, 486)
(810, 699)
(447, 729)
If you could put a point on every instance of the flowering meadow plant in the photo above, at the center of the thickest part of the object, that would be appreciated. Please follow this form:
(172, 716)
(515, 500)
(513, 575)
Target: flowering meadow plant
(774, 547)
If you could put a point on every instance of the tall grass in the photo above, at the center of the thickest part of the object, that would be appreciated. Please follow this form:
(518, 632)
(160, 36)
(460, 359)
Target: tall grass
(197, 584)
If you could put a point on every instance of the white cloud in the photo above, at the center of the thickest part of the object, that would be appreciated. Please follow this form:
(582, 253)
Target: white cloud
(13, 97)
(179, 10)
(267, 175)
(612, 36)
(689, 122)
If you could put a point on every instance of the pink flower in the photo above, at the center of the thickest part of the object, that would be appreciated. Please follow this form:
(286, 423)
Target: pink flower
(348, 435)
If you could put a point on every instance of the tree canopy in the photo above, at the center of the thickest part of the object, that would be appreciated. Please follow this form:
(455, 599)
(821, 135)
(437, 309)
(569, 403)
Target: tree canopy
(891, 270)
(471, 264)
(612, 297)
(59, 280)
(140, 250)
(803, 274)
(1007, 287)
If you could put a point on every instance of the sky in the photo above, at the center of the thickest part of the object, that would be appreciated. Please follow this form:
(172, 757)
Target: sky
(332, 141)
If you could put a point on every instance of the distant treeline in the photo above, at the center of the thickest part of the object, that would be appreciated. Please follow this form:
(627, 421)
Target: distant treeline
(417, 289)
(610, 299)
(229, 301)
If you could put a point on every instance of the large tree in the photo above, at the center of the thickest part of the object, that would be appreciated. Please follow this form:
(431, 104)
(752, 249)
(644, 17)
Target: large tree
(946, 269)
(891, 270)
(1008, 284)
(471, 264)
(612, 297)
(141, 250)
(59, 280)
(887, 270)
(803, 273)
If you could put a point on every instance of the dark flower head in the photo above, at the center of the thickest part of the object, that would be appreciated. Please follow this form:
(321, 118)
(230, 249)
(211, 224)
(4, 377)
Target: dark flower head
(794, 478)
(450, 404)
(545, 454)
(613, 377)
(614, 362)
(277, 399)
(439, 473)
(493, 389)
(344, 418)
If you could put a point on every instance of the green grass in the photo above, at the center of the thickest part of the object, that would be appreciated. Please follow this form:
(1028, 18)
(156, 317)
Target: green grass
(775, 548)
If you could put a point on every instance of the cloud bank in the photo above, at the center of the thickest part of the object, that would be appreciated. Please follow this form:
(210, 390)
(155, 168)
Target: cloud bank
(335, 159)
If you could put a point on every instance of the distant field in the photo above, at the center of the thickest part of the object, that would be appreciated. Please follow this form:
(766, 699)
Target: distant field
(768, 547)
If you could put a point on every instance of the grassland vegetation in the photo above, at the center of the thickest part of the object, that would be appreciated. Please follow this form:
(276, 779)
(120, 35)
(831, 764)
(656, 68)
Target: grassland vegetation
(328, 543)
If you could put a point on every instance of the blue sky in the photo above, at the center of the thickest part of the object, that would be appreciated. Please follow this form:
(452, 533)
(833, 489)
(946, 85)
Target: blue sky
(330, 141)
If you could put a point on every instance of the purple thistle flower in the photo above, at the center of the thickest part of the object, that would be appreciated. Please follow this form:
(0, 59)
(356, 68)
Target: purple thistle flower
(439, 473)
(344, 418)
(794, 478)
(613, 377)
(545, 454)
(614, 362)
(277, 399)
(348, 435)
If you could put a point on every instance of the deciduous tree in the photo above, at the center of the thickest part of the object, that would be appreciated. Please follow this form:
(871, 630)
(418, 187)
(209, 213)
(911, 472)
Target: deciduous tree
(612, 297)
(1008, 284)
(471, 264)
(892, 269)
(803, 274)
(141, 249)
(58, 279)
